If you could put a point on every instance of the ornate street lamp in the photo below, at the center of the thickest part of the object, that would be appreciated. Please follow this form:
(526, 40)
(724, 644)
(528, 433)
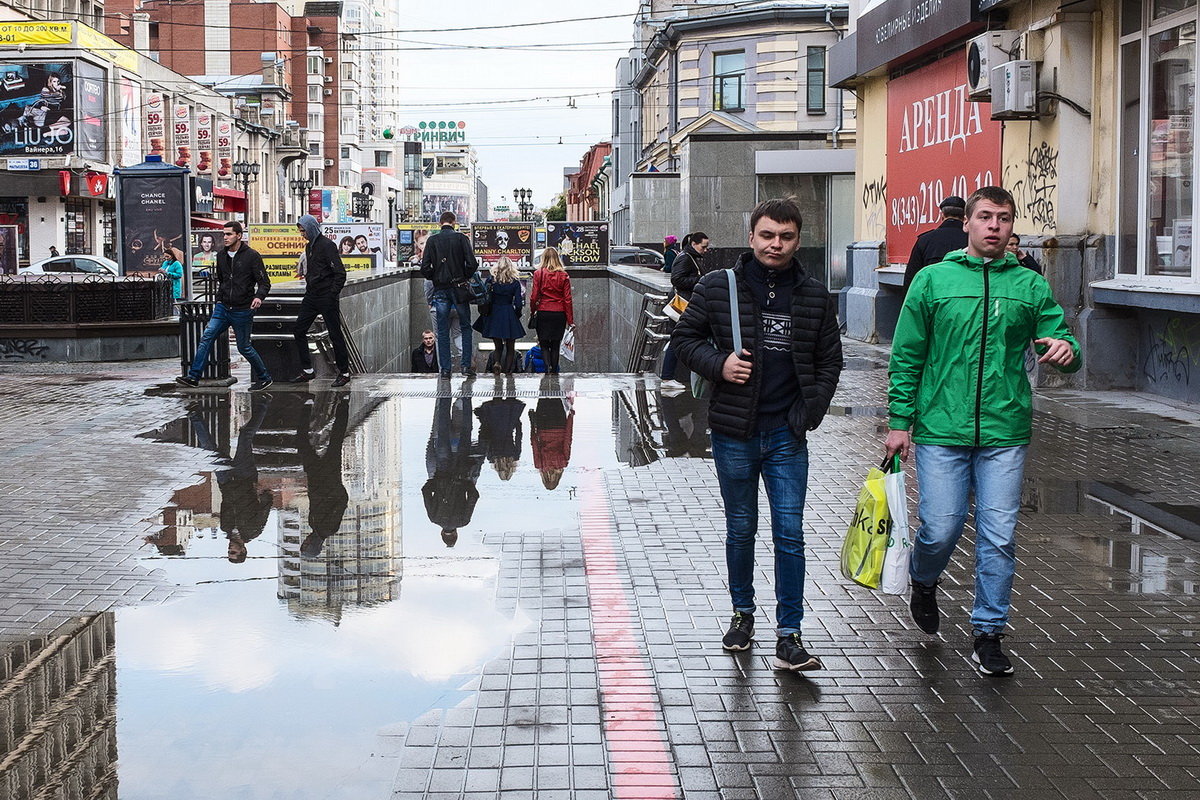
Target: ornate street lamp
(247, 172)
(523, 199)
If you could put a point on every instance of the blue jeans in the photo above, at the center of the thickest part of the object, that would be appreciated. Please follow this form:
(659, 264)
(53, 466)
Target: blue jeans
(946, 476)
(442, 301)
(222, 320)
(782, 461)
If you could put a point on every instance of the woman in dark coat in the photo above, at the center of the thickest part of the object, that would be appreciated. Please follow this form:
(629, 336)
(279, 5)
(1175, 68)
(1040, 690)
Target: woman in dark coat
(503, 322)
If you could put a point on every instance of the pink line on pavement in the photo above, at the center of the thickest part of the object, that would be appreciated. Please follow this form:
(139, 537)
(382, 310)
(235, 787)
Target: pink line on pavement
(635, 734)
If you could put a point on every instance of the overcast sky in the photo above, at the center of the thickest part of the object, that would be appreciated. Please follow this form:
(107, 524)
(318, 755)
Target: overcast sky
(518, 143)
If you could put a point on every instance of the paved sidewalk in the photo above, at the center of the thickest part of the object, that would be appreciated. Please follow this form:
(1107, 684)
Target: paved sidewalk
(618, 686)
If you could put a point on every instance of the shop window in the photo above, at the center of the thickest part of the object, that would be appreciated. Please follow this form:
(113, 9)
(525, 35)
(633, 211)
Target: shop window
(383, 158)
(77, 214)
(816, 80)
(1158, 187)
(729, 81)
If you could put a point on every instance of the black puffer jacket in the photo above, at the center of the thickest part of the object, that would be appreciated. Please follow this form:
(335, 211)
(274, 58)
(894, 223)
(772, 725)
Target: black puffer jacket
(816, 350)
(686, 271)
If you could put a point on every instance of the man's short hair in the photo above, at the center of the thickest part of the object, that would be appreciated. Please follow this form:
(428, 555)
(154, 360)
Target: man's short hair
(695, 238)
(993, 194)
(426, 332)
(234, 226)
(448, 218)
(781, 209)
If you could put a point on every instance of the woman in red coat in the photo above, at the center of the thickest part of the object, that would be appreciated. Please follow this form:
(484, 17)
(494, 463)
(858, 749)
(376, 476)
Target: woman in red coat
(550, 434)
(550, 300)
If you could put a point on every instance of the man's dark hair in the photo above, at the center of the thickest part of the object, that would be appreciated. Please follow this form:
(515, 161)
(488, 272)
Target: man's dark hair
(697, 237)
(993, 194)
(234, 226)
(448, 218)
(953, 212)
(781, 209)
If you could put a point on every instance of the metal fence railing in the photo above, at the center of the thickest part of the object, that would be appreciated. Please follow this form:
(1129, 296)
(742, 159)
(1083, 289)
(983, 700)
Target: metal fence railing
(193, 319)
(649, 334)
(58, 300)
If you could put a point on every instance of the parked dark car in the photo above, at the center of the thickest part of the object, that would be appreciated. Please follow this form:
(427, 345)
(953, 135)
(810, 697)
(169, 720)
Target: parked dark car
(641, 256)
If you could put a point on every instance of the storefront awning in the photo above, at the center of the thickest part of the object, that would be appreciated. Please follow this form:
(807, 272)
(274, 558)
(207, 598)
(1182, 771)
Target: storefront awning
(207, 222)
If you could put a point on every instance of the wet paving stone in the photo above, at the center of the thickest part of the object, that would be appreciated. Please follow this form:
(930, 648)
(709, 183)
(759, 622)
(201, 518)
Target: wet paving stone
(478, 590)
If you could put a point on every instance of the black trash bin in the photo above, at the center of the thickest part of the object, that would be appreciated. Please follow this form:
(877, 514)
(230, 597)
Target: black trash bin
(193, 317)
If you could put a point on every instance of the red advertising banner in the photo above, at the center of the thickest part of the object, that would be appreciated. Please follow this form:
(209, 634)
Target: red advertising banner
(156, 123)
(315, 204)
(183, 131)
(204, 142)
(939, 144)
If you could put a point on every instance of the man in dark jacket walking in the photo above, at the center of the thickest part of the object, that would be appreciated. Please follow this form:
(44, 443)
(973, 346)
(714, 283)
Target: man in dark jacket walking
(933, 245)
(242, 284)
(765, 399)
(323, 281)
(449, 261)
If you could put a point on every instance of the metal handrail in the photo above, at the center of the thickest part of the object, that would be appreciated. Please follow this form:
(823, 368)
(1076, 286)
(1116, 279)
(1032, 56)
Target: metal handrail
(648, 338)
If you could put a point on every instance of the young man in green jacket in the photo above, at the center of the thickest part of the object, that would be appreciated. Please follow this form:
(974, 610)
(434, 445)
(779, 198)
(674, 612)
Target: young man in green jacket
(958, 389)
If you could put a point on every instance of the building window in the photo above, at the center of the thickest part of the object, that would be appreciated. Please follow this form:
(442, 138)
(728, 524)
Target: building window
(816, 80)
(1155, 229)
(315, 121)
(345, 152)
(314, 93)
(383, 158)
(729, 81)
(315, 63)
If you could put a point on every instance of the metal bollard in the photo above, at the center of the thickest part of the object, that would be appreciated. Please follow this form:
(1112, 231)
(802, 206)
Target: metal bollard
(193, 318)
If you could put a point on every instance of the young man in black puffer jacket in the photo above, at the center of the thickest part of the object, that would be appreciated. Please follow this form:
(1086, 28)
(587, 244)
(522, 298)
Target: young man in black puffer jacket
(764, 401)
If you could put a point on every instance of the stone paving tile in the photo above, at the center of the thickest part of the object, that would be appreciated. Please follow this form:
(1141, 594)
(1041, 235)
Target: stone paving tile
(1105, 614)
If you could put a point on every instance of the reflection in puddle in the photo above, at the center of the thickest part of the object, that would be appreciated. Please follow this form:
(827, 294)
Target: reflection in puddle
(1138, 548)
(651, 426)
(341, 584)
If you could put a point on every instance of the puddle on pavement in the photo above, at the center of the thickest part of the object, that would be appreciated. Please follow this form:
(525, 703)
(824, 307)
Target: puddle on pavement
(341, 584)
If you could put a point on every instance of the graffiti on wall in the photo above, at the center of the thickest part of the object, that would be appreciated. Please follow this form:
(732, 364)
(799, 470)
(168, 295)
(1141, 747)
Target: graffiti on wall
(22, 349)
(874, 202)
(1169, 356)
(1033, 185)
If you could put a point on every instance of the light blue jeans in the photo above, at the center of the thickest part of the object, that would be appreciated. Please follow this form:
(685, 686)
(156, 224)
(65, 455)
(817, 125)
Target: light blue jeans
(443, 301)
(782, 461)
(947, 476)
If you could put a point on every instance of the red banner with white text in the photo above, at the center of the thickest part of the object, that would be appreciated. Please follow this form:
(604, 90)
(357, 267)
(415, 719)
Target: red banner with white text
(939, 144)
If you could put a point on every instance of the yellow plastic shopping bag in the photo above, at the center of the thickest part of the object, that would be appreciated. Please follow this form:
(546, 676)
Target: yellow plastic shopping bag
(866, 541)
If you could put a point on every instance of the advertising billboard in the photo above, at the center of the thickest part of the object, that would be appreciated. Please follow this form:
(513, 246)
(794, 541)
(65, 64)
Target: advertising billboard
(224, 140)
(91, 126)
(281, 246)
(37, 109)
(156, 123)
(357, 239)
(493, 240)
(204, 142)
(434, 205)
(580, 244)
(153, 214)
(410, 241)
(938, 144)
(130, 119)
(182, 128)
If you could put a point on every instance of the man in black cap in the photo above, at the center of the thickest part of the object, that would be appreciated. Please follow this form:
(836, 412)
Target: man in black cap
(932, 246)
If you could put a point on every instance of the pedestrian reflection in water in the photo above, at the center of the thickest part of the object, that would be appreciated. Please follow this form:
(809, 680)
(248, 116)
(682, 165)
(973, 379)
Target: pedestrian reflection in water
(453, 463)
(550, 433)
(327, 496)
(686, 419)
(245, 506)
(500, 433)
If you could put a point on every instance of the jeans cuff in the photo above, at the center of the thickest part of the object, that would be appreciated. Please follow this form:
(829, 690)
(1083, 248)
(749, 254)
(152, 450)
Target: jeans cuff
(781, 633)
(745, 609)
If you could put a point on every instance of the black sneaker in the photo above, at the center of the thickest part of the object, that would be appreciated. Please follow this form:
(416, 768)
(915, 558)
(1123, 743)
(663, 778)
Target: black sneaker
(923, 604)
(791, 655)
(303, 376)
(989, 656)
(741, 632)
(444, 375)
(469, 372)
(258, 386)
(341, 380)
(187, 380)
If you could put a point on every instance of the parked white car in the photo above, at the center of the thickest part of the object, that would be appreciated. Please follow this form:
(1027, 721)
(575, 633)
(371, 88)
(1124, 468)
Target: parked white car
(72, 265)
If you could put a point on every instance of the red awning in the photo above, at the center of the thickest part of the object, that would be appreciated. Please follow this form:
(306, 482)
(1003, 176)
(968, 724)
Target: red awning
(207, 222)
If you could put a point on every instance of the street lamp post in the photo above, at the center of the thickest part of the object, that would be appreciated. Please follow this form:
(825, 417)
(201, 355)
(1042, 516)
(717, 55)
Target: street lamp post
(247, 173)
(523, 200)
(301, 188)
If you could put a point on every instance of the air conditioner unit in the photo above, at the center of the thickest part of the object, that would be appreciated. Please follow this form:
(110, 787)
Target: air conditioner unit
(329, 92)
(328, 60)
(329, 162)
(983, 54)
(1014, 94)
(329, 79)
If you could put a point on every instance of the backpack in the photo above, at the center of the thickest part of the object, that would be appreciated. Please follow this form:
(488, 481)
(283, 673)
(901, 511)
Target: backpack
(534, 361)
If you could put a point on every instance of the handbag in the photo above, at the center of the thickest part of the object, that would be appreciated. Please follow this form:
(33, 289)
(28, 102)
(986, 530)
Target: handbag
(866, 541)
(701, 386)
(533, 320)
(675, 307)
(479, 291)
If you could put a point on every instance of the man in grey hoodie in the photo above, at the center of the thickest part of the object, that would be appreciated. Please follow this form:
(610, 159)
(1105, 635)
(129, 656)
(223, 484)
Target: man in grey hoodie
(323, 281)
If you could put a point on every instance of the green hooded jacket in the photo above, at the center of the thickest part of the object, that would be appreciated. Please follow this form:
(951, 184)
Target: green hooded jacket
(957, 372)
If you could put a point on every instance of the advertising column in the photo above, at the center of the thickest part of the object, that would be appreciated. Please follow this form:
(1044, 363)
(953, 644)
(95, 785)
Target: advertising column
(153, 213)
